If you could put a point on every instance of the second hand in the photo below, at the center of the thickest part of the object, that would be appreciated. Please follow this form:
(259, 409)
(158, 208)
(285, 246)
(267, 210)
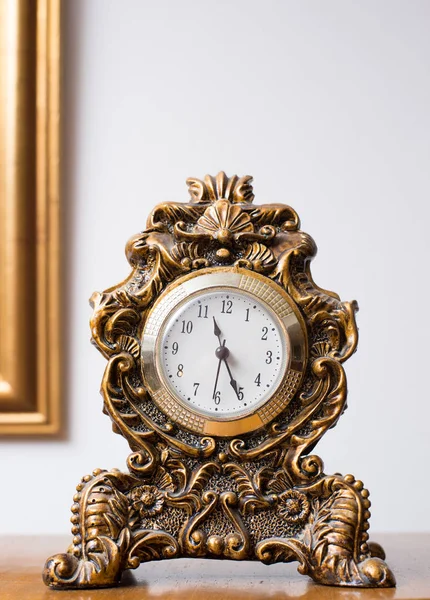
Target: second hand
(217, 374)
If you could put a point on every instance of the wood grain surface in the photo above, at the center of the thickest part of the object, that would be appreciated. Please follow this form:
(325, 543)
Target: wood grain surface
(22, 559)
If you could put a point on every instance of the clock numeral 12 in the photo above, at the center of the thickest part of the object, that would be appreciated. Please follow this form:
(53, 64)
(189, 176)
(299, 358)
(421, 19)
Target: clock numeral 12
(227, 307)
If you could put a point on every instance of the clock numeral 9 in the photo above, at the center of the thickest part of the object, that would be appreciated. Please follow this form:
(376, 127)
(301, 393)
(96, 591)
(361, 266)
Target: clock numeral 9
(180, 371)
(187, 326)
(175, 348)
(217, 397)
(227, 307)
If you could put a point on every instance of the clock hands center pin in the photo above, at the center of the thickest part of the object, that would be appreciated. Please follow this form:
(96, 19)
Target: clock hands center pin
(222, 353)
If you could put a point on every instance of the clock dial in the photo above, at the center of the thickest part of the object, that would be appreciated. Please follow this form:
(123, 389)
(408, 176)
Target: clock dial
(223, 353)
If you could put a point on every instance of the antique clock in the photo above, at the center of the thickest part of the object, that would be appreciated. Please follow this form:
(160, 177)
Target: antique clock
(224, 370)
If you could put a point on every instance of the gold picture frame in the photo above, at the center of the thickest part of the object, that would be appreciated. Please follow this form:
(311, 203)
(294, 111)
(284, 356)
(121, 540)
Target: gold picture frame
(29, 217)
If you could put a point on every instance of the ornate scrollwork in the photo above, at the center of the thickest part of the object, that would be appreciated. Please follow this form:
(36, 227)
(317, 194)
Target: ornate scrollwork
(333, 548)
(261, 496)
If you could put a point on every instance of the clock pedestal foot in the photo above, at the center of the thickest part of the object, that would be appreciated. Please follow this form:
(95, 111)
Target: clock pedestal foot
(336, 569)
(103, 543)
(98, 554)
(332, 548)
(343, 571)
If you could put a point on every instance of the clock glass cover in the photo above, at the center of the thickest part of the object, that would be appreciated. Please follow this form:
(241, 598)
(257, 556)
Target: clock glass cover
(223, 352)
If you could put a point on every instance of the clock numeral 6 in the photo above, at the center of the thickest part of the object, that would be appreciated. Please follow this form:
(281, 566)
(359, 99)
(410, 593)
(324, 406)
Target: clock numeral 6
(187, 327)
(217, 397)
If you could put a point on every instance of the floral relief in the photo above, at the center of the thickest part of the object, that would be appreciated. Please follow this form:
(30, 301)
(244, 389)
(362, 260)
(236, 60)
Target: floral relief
(294, 507)
(148, 500)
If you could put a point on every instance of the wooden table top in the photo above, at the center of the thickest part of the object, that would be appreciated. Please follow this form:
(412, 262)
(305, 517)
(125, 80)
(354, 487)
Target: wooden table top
(22, 559)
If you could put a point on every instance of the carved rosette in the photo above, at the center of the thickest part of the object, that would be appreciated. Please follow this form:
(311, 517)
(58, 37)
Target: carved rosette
(262, 496)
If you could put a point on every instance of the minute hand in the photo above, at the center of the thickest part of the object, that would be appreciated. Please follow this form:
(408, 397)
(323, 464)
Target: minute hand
(233, 381)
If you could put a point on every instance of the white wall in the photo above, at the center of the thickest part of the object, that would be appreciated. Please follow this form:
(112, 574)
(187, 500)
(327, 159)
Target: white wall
(326, 104)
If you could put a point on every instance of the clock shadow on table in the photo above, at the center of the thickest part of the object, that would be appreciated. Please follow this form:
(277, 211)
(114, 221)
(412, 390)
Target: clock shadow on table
(198, 579)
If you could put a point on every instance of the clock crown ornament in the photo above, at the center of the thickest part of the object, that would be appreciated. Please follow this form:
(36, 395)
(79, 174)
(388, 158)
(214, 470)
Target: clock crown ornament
(224, 371)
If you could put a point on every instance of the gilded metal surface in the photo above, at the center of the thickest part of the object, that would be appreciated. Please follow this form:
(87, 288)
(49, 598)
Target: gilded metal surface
(259, 495)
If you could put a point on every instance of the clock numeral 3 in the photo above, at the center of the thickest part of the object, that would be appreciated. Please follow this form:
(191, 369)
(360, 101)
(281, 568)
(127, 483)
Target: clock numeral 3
(268, 357)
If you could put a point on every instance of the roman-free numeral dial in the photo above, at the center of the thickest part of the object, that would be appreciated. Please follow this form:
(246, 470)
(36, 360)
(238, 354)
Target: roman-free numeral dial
(223, 352)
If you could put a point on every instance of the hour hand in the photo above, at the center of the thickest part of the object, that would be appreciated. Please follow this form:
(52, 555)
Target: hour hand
(217, 330)
(233, 381)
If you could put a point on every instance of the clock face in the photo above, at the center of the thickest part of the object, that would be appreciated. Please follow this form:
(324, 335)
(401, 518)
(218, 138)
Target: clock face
(223, 352)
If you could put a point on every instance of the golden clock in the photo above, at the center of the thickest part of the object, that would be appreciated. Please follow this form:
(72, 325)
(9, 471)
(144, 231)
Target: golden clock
(224, 370)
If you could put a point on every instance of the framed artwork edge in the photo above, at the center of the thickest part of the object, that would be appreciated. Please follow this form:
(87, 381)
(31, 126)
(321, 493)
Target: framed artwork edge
(30, 294)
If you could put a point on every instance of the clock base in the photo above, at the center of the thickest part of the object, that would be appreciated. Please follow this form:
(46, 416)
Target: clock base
(121, 520)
